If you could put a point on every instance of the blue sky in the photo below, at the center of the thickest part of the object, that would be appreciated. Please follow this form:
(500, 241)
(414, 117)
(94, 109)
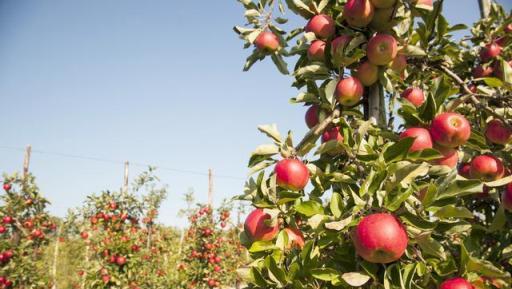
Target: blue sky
(155, 82)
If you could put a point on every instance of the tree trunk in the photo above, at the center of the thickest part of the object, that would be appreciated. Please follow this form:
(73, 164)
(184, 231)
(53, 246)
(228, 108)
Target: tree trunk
(485, 8)
(55, 259)
(377, 105)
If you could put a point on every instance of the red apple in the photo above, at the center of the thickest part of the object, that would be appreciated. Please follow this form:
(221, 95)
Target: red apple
(3, 229)
(490, 51)
(498, 70)
(358, 13)
(465, 170)
(487, 168)
(120, 260)
(508, 28)
(482, 71)
(367, 73)
(383, 3)
(450, 157)
(316, 51)
(507, 197)
(295, 238)
(380, 238)
(7, 187)
(291, 174)
(399, 64)
(338, 51)
(7, 220)
(414, 95)
(314, 115)
(322, 25)
(267, 42)
(497, 133)
(332, 134)
(256, 228)
(450, 129)
(422, 139)
(84, 235)
(456, 283)
(216, 268)
(383, 20)
(349, 91)
(382, 49)
(105, 278)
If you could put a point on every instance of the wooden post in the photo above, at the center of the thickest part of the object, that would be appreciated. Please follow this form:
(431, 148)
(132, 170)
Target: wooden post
(485, 8)
(26, 160)
(210, 188)
(56, 258)
(182, 236)
(125, 180)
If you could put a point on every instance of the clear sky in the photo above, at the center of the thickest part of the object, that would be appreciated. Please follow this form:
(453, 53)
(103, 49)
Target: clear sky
(155, 82)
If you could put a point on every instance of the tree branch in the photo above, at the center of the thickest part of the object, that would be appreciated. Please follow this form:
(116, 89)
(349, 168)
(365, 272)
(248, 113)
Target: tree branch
(315, 132)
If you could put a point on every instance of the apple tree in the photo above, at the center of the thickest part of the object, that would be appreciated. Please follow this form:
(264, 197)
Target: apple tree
(410, 185)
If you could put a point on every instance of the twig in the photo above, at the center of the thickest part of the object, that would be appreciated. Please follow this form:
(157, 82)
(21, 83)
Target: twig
(317, 130)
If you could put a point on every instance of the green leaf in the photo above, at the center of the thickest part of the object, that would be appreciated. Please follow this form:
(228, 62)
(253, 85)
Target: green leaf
(324, 274)
(459, 188)
(430, 246)
(271, 131)
(336, 205)
(500, 182)
(499, 221)
(260, 246)
(280, 63)
(450, 211)
(398, 151)
(411, 50)
(339, 225)
(309, 208)
(355, 279)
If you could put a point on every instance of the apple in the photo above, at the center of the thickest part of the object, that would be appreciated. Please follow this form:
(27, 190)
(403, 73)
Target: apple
(316, 51)
(7, 187)
(496, 132)
(295, 238)
(349, 91)
(498, 70)
(414, 95)
(383, 20)
(482, 71)
(382, 49)
(399, 64)
(473, 88)
(105, 278)
(212, 282)
(37, 233)
(216, 268)
(426, 3)
(487, 168)
(383, 3)
(422, 139)
(450, 157)
(338, 51)
(7, 220)
(358, 13)
(456, 283)
(507, 197)
(332, 134)
(367, 73)
(291, 174)
(490, 51)
(465, 170)
(314, 115)
(267, 42)
(120, 260)
(380, 238)
(3, 229)
(450, 129)
(322, 25)
(257, 229)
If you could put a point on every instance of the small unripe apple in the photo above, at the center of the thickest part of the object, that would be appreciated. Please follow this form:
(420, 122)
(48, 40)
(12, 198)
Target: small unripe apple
(291, 174)
(496, 132)
(490, 51)
(322, 25)
(358, 13)
(316, 51)
(506, 198)
(482, 71)
(414, 95)
(257, 229)
(487, 168)
(367, 73)
(267, 42)
(382, 49)
(450, 129)
(456, 283)
(295, 238)
(383, 3)
(380, 238)
(422, 139)
(450, 157)
(383, 20)
(339, 51)
(349, 91)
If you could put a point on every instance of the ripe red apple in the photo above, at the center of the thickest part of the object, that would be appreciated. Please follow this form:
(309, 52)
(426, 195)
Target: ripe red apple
(358, 13)
(383, 20)
(508, 28)
(496, 132)
(465, 170)
(382, 49)
(7, 220)
(314, 115)
(380, 238)
(291, 174)
(450, 129)
(414, 95)
(295, 238)
(216, 268)
(349, 91)
(456, 283)
(399, 64)
(2, 229)
(84, 235)
(105, 278)
(121, 260)
(422, 139)
(316, 51)
(256, 228)
(332, 134)
(450, 157)
(212, 282)
(383, 3)
(490, 51)
(487, 168)
(482, 71)
(322, 25)
(506, 198)
(367, 73)
(338, 51)
(267, 42)
(7, 187)
(37, 233)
